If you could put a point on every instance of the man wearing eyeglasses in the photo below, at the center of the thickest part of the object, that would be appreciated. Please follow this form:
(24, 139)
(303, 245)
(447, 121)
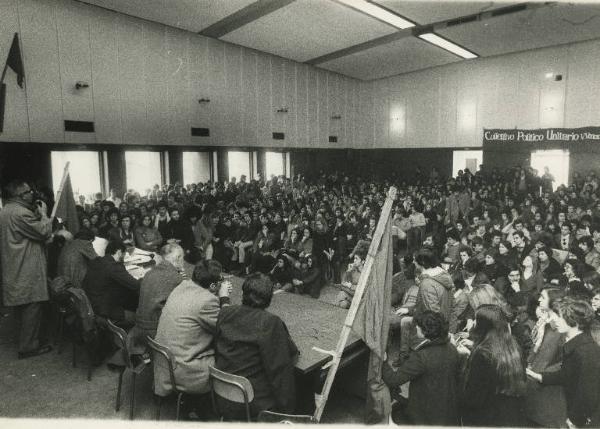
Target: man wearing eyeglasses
(24, 230)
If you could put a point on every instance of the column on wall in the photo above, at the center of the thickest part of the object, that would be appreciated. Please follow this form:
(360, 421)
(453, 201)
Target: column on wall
(117, 178)
(176, 166)
(222, 165)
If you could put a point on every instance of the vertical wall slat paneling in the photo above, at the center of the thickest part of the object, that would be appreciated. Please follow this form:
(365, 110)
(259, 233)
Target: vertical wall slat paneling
(249, 98)
(277, 99)
(322, 109)
(232, 120)
(200, 88)
(313, 107)
(301, 111)
(216, 107)
(72, 23)
(105, 68)
(289, 100)
(177, 77)
(156, 86)
(42, 72)
(130, 38)
(16, 125)
(263, 70)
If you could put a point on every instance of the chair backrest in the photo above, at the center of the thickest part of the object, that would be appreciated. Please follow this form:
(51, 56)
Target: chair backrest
(119, 339)
(163, 352)
(234, 388)
(273, 417)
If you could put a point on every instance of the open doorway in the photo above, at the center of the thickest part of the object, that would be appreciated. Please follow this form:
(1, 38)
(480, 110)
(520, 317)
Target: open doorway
(470, 159)
(557, 162)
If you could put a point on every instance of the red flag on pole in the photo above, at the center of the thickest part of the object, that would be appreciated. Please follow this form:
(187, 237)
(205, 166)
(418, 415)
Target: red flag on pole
(65, 208)
(15, 61)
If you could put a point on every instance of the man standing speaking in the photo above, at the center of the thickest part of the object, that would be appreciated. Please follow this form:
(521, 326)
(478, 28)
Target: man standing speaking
(24, 229)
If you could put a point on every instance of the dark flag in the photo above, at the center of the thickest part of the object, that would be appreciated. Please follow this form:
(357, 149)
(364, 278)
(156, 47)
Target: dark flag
(2, 102)
(14, 60)
(65, 208)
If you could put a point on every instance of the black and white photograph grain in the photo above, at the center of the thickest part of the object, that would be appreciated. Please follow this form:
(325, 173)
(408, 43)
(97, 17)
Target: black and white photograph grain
(299, 212)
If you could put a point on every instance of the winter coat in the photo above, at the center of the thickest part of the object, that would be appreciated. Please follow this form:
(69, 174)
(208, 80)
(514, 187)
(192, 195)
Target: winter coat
(22, 252)
(432, 370)
(436, 293)
(73, 261)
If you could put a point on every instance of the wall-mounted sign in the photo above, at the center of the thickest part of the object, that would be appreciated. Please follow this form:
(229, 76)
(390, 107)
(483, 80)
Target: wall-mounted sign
(543, 135)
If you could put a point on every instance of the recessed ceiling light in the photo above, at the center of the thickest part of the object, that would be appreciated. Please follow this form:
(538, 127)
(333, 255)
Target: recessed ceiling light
(379, 13)
(549, 75)
(447, 45)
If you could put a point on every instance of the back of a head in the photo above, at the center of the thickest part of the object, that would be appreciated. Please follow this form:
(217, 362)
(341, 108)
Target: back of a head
(114, 246)
(576, 312)
(206, 273)
(494, 341)
(426, 258)
(257, 291)
(433, 325)
(170, 252)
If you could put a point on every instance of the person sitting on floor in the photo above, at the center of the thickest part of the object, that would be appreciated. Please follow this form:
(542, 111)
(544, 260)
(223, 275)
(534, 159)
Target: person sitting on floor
(256, 344)
(350, 279)
(112, 291)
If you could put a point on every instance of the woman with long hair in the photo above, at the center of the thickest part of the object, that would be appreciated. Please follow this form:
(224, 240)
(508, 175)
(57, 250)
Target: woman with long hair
(147, 237)
(545, 405)
(494, 383)
(532, 279)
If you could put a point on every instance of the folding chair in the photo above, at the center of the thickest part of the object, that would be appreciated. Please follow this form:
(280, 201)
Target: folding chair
(162, 352)
(119, 337)
(232, 387)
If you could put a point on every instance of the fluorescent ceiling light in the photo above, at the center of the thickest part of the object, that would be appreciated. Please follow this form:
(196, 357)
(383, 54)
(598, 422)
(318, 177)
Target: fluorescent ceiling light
(447, 45)
(379, 13)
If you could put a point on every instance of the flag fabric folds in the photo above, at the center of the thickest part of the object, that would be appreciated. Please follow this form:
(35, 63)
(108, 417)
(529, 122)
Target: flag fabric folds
(372, 325)
(15, 61)
(66, 208)
(2, 103)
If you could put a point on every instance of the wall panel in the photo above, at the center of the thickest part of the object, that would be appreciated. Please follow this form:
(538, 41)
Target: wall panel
(16, 124)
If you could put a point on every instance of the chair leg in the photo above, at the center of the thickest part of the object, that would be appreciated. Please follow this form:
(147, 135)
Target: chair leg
(74, 355)
(118, 404)
(178, 406)
(158, 399)
(131, 406)
(89, 373)
(58, 341)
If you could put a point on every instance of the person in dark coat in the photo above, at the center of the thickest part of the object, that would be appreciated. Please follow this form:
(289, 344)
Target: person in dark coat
(110, 288)
(75, 256)
(256, 344)
(494, 383)
(432, 370)
(580, 369)
(155, 288)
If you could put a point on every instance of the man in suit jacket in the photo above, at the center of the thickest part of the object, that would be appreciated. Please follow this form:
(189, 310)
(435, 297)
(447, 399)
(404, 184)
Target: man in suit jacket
(565, 240)
(110, 288)
(187, 326)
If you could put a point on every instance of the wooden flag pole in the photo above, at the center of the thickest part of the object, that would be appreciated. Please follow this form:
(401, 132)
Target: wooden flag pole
(360, 289)
(60, 189)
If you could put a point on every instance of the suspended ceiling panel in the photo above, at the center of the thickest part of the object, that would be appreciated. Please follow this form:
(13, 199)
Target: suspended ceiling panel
(307, 29)
(191, 15)
(402, 56)
(551, 25)
(430, 11)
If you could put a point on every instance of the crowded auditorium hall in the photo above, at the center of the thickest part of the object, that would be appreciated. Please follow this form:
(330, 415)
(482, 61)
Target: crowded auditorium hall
(299, 212)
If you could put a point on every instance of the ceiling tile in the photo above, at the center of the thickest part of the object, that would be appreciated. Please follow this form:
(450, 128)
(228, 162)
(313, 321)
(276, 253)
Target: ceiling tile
(191, 15)
(555, 24)
(430, 11)
(402, 56)
(307, 29)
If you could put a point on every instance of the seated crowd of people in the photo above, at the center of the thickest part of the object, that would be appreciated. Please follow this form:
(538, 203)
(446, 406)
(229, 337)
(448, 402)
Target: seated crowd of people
(495, 302)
